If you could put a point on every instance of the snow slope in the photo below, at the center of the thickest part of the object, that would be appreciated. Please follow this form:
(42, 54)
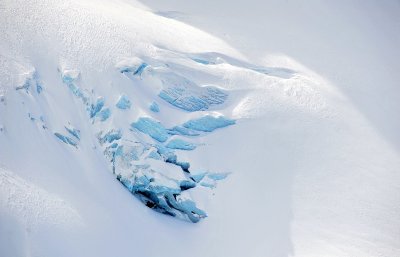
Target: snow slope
(312, 154)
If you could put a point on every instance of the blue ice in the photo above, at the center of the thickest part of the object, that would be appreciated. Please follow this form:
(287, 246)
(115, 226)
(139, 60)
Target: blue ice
(190, 209)
(69, 76)
(180, 144)
(213, 95)
(198, 177)
(140, 69)
(65, 139)
(184, 165)
(39, 88)
(205, 62)
(152, 128)
(154, 155)
(192, 101)
(209, 185)
(104, 114)
(97, 106)
(111, 136)
(187, 95)
(123, 102)
(74, 132)
(25, 86)
(136, 67)
(167, 154)
(208, 123)
(77, 92)
(114, 145)
(178, 130)
(187, 184)
(217, 176)
(154, 107)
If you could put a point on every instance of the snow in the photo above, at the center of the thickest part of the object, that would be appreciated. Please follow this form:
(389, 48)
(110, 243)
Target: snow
(313, 157)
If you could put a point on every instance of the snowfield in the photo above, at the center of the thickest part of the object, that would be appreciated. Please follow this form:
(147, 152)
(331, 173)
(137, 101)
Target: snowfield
(212, 128)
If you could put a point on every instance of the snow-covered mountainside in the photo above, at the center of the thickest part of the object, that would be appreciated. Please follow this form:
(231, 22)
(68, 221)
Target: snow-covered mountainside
(272, 126)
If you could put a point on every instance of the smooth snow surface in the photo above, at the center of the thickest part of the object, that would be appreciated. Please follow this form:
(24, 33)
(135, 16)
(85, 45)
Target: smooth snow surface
(272, 124)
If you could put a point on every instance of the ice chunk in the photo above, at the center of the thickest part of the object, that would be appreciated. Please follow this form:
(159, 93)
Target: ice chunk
(180, 144)
(187, 95)
(140, 69)
(154, 107)
(188, 207)
(73, 131)
(123, 102)
(202, 61)
(104, 114)
(97, 106)
(78, 92)
(134, 65)
(114, 145)
(213, 95)
(187, 184)
(217, 176)
(198, 177)
(152, 128)
(134, 152)
(65, 139)
(154, 155)
(39, 88)
(178, 130)
(161, 197)
(68, 76)
(207, 184)
(31, 78)
(167, 154)
(25, 86)
(208, 123)
(184, 166)
(109, 137)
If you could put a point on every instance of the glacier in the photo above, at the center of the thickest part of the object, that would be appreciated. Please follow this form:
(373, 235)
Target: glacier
(310, 91)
